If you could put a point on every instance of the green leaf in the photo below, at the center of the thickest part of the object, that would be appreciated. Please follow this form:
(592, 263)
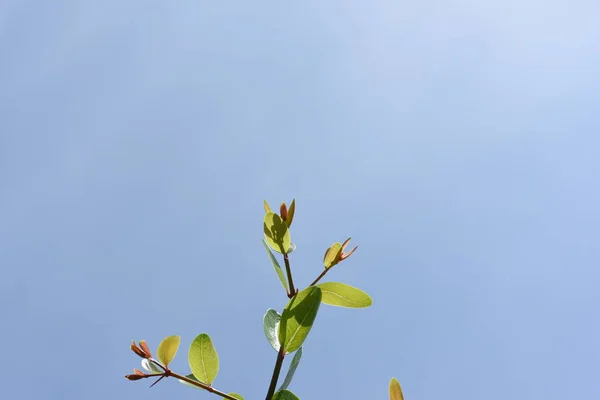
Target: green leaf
(237, 396)
(267, 208)
(271, 327)
(275, 264)
(332, 255)
(291, 370)
(285, 395)
(342, 295)
(167, 349)
(203, 359)
(277, 233)
(298, 317)
(395, 390)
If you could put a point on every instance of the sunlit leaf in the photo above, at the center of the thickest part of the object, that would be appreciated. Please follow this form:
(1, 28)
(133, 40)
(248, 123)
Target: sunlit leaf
(332, 255)
(277, 233)
(292, 370)
(203, 359)
(237, 396)
(342, 295)
(285, 395)
(276, 266)
(271, 327)
(167, 349)
(298, 317)
(395, 390)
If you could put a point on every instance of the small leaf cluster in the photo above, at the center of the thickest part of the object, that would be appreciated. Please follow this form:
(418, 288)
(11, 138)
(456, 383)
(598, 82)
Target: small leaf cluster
(286, 331)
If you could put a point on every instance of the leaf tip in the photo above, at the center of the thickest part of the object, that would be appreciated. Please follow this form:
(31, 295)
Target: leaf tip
(395, 390)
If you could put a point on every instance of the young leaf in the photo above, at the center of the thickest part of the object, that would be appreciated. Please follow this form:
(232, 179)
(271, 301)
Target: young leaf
(332, 255)
(277, 233)
(271, 327)
(395, 390)
(237, 396)
(285, 395)
(342, 295)
(167, 349)
(275, 264)
(292, 370)
(203, 359)
(290, 214)
(298, 317)
(267, 208)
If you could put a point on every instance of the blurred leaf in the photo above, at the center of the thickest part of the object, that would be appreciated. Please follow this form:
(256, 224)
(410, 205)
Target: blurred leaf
(395, 390)
(342, 295)
(277, 233)
(203, 359)
(292, 248)
(271, 327)
(167, 349)
(275, 264)
(290, 214)
(285, 395)
(237, 396)
(298, 317)
(267, 208)
(332, 255)
(292, 370)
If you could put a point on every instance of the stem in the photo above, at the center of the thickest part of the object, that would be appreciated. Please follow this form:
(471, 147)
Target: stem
(276, 371)
(288, 269)
(200, 384)
(319, 277)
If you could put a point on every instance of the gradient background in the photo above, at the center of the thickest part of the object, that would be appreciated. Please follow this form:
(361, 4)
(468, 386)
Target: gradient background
(457, 142)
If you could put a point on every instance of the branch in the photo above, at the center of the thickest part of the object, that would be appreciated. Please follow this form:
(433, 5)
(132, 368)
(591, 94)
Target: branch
(200, 385)
(276, 371)
(288, 269)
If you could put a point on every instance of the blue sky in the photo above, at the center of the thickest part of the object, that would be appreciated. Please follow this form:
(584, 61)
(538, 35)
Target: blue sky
(455, 141)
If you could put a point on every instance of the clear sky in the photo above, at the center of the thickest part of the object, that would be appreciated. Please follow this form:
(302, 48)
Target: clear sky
(457, 142)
